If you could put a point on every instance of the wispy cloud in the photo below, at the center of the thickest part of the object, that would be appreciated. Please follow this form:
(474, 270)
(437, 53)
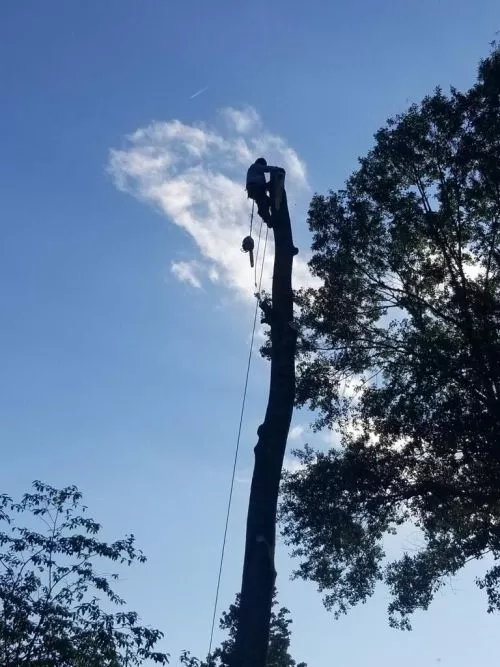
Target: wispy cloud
(332, 439)
(242, 120)
(198, 92)
(186, 272)
(291, 464)
(243, 476)
(296, 432)
(195, 175)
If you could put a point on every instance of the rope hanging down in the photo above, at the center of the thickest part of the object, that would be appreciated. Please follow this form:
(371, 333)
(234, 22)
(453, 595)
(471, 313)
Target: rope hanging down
(251, 218)
(257, 260)
(238, 438)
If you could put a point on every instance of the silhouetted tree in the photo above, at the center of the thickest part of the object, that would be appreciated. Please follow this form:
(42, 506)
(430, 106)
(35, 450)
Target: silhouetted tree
(54, 604)
(400, 351)
(279, 640)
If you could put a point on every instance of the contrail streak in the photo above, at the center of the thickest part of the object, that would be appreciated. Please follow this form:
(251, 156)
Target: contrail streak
(199, 92)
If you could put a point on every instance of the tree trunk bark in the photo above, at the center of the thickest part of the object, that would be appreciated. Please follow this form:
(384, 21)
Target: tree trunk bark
(259, 574)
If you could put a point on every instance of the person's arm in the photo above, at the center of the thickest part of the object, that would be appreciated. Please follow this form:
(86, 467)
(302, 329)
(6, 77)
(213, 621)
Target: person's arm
(269, 170)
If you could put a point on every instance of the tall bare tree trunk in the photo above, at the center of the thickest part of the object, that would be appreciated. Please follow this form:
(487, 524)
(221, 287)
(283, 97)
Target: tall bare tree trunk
(259, 574)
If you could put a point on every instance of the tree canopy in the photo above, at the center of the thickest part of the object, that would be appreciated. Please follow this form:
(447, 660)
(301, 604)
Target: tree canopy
(279, 640)
(55, 606)
(400, 352)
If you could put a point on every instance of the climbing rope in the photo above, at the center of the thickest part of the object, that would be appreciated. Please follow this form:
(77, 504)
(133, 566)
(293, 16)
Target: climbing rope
(257, 258)
(251, 217)
(238, 438)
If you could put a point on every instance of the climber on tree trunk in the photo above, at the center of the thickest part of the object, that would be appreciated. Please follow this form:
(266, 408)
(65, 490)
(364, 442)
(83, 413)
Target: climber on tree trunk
(258, 187)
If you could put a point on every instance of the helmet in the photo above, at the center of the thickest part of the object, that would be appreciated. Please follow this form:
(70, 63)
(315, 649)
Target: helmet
(262, 161)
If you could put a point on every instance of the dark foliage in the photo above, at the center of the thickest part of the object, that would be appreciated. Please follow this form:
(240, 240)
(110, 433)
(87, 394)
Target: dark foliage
(279, 640)
(401, 353)
(54, 604)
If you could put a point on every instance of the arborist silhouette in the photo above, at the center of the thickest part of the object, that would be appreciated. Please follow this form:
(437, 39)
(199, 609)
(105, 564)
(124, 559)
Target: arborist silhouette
(258, 187)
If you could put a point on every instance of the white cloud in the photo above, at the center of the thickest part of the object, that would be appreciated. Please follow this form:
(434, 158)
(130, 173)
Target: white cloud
(291, 464)
(213, 274)
(242, 120)
(243, 476)
(186, 272)
(195, 175)
(296, 432)
(332, 438)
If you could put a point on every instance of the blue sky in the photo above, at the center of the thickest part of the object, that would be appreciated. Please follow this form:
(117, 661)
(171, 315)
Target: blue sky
(125, 301)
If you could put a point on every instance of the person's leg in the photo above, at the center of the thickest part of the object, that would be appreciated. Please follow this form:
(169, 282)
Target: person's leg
(263, 205)
(259, 195)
